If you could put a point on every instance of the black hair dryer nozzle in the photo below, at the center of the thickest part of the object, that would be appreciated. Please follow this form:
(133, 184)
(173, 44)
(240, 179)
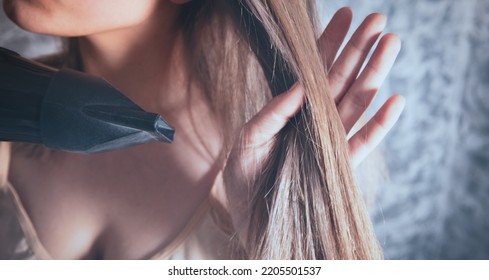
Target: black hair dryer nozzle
(69, 110)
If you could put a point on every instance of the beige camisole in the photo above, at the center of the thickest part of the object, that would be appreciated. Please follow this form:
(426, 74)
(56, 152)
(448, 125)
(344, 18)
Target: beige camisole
(200, 239)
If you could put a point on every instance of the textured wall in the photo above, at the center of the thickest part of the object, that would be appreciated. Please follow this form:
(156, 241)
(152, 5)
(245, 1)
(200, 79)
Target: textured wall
(436, 205)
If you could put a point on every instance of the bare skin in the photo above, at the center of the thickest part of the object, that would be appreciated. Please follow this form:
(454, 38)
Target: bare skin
(129, 203)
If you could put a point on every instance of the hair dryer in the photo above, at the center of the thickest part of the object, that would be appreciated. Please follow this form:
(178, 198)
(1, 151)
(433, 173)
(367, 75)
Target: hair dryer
(69, 110)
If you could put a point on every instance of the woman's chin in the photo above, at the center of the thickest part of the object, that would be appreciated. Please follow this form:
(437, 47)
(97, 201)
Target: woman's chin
(32, 19)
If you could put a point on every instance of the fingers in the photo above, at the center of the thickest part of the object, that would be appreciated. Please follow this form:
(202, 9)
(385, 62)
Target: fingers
(334, 34)
(369, 136)
(346, 68)
(364, 89)
(274, 116)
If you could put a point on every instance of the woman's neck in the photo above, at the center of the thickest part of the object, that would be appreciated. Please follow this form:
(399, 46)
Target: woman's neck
(145, 61)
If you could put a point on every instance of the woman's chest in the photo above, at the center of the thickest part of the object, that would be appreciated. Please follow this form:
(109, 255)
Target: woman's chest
(118, 206)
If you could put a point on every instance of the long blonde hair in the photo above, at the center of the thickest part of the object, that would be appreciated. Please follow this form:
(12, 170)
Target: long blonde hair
(305, 203)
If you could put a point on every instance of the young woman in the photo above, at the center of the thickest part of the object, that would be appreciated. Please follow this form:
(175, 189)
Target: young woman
(248, 175)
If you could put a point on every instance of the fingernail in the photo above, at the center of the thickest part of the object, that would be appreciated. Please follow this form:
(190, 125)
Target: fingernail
(381, 20)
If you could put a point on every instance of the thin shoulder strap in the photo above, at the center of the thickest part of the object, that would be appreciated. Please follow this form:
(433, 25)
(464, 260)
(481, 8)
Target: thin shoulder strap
(24, 220)
(4, 162)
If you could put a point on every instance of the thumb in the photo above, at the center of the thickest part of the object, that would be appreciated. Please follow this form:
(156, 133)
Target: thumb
(274, 116)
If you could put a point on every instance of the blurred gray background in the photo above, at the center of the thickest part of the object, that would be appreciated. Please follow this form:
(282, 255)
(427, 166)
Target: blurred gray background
(436, 204)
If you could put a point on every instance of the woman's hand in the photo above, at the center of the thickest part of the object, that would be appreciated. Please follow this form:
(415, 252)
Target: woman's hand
(353, 94)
